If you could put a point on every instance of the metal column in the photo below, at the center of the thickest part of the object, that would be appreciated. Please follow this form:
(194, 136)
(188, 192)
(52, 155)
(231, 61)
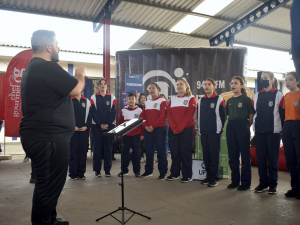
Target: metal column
(106, 50)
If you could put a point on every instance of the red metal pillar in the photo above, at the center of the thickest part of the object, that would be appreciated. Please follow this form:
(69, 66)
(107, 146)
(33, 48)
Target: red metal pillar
(106, 50)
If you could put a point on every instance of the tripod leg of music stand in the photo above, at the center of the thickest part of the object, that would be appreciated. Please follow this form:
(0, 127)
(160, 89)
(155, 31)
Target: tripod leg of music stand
(149, 218)
(107, 215)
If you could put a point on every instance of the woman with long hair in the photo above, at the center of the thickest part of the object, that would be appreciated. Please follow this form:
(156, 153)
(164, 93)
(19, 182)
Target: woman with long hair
(181, 110)
(155, 114)
(240, 112)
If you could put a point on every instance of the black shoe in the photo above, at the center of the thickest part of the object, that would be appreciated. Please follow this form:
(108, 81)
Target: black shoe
(291, 194)
(162, 176)
(171, 177)
(97, 174)
(32, 179)
(298, 197)
(146, 175)
(213, 183)
(137, 174)
(232, 186)
(60, 222)
(243, 188)
(81, 177)
(73, 178)
(122, 173)
(272, 191)
(113, 158)
(260, 189)
(186, 180)
(107, 174)
(205, 181)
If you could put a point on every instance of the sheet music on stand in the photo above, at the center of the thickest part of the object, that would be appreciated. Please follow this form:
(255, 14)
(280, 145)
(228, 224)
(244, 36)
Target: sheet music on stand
(125, 127)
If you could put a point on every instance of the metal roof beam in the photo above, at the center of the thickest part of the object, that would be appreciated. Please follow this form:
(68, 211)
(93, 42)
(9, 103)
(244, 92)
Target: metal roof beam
(237, 42)
(284, 6)
(187, 12)
(251, 18)
(105, 13)
(153, 29)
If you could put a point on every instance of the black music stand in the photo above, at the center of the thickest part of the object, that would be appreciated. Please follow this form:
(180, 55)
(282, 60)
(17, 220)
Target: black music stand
(121, 130)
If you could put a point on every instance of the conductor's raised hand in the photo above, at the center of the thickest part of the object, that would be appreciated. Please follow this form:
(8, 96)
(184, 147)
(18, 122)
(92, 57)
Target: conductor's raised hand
(80, 72)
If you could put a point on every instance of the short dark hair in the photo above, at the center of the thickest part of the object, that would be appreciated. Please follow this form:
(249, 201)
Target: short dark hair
(130, 94)
(40, 39)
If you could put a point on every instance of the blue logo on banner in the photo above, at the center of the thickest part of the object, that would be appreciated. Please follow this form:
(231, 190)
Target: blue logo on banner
(203, 165)
(133, 82)
(124, 99)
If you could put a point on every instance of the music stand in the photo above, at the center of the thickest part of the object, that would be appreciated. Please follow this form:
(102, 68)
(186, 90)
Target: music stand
(122, 130)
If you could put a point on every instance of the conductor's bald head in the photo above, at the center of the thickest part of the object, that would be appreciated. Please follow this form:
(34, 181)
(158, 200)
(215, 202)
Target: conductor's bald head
(44, 42)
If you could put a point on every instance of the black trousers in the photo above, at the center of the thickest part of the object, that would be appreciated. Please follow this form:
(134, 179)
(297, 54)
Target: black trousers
(50, 165)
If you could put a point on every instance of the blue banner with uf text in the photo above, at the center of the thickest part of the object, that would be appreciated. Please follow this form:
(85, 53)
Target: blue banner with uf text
(133, 82)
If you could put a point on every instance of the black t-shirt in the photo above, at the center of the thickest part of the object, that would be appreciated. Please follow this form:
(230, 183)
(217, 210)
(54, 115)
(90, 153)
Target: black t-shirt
(47, 109)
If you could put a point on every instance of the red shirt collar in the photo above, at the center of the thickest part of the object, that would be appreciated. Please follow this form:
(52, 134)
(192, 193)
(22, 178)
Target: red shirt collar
(81, 97)
(127, 107)
(107, 93)
(214, 95)
(272, 90)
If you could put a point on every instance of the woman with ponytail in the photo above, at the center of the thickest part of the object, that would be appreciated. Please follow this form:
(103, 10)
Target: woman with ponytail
(267, 125)
(211, 120)
(181, 110)
(155, 114)
(240, 112)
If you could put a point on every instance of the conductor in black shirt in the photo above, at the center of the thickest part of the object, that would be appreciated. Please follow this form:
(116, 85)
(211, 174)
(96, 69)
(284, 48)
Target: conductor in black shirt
(48, 123)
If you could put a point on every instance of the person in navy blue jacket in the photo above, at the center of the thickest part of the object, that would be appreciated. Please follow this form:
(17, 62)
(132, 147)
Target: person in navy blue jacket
(104, 107)
(267, 124)
(80, 139)
(211, 120)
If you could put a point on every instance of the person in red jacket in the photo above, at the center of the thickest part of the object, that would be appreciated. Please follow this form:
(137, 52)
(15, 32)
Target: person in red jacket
(131, 139)
(181, 110)
(155, 114)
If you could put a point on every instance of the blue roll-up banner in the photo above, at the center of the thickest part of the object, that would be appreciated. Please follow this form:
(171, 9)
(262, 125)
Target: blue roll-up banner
(133, 82)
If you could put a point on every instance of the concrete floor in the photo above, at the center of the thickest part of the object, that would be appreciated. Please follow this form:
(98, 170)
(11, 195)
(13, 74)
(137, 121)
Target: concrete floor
(166, 202)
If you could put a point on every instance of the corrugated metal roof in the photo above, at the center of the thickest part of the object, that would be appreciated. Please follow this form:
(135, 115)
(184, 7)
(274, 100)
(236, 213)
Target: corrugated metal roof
(76, 9)
(62, 50)
(154, 16)
(278, 20)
